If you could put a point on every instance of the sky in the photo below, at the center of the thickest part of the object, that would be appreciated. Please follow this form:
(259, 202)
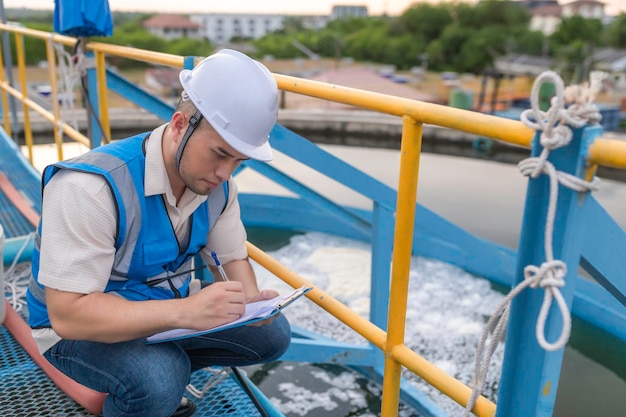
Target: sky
(313, 7)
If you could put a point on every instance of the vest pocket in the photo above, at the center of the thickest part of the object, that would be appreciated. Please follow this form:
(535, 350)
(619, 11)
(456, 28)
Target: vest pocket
(160, 253)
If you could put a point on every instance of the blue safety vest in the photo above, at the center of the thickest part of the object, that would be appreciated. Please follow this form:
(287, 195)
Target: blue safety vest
(149, 263)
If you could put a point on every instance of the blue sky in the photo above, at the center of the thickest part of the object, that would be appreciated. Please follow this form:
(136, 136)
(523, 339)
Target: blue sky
(267, 6)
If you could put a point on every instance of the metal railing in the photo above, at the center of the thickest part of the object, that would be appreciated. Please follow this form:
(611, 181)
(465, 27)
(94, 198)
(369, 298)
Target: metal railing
(414, 114)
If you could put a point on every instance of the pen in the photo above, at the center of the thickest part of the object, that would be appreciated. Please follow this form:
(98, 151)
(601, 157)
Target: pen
(220, 268)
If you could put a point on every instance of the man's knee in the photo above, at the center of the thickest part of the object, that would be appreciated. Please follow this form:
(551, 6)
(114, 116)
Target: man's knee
(153, 385)
(279, 340)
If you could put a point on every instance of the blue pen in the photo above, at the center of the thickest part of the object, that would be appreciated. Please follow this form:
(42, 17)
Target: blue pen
(220, 268)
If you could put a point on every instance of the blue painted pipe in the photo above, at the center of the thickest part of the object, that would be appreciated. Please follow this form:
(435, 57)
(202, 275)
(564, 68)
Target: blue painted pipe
(13, 246)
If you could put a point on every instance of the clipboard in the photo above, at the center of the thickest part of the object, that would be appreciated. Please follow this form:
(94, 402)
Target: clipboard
(257, 311)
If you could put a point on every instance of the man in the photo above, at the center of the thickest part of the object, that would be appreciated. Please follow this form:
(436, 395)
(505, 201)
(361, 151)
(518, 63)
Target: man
(120, 226)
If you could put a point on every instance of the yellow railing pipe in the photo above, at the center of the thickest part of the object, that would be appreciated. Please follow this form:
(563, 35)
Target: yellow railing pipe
(447, 384)
(21, 64)
(40, 34)
(506, 130)
(67, 129)
(362, 326)
(5, 101)
(604, 151)
(103, 101)
(54, 97)
(608, 153)
(410, 151)
(137, 54)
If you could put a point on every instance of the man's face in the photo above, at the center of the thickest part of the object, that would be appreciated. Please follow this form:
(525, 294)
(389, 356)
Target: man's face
(208, 161)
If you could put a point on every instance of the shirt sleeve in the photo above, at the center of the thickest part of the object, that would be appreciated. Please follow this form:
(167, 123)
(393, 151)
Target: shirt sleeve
(79, 224)
(228, 236)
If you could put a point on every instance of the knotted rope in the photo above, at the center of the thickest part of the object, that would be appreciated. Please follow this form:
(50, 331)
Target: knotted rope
(69, 70)
(555, 133)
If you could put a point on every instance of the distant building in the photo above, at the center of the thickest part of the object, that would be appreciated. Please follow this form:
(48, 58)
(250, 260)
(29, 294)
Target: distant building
(313, 22)
(343, 12)
(522, 65)
(535, 4)
(610, 60)
(589, 9)
(546, 15)
(169, 26)
(546, 19)
(220, 28)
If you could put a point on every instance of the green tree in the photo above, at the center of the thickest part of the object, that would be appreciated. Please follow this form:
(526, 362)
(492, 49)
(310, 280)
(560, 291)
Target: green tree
(501, 12)
(427, 20)
(577, 28)
(189, 47)
(453, 42)
(615, 33)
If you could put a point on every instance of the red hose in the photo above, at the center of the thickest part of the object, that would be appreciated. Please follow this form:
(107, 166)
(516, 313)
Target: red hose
(88, 398)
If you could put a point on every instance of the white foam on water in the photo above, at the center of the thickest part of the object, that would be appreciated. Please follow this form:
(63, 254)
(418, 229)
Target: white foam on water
(447, 311)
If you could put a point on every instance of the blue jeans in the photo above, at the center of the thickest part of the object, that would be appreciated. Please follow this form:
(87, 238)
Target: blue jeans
(149, 380)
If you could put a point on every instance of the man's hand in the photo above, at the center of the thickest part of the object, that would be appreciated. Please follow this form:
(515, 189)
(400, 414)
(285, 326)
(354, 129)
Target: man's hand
(264, 295)
(216, 304)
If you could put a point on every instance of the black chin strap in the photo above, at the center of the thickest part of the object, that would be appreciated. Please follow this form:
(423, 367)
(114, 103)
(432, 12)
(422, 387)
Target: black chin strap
(194, 121)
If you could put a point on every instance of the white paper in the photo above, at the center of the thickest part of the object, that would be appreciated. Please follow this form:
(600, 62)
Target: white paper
(254, 312)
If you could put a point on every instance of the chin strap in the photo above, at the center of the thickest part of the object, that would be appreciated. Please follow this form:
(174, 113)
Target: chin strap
(194, 121)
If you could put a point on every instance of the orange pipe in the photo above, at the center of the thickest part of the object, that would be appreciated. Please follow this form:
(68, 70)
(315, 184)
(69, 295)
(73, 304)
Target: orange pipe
(88, 398)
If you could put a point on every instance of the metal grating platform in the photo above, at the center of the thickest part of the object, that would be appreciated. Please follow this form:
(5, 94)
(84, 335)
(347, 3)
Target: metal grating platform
(25, 390)
(12, 164)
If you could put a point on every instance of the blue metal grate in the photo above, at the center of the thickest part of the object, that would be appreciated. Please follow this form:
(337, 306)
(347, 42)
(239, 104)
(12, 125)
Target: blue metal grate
(25, 390)
(12, 165)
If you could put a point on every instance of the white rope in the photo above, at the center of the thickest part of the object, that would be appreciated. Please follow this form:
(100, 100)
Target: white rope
(550, 275)
(16, 279)
(70, 69)
(216, 376)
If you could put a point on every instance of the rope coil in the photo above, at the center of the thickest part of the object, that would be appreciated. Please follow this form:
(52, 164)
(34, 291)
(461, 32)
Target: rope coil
(550, 275)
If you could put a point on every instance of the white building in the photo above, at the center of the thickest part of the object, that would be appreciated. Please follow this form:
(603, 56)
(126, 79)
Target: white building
(342, 12)
(546, 19)
(589, 9)
(220, 28)
(170, 27)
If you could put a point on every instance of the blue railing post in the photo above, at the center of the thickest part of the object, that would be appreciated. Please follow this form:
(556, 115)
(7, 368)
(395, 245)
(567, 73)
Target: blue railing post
(530, 374)
(189, 62)
(382, 248)
(92, 108)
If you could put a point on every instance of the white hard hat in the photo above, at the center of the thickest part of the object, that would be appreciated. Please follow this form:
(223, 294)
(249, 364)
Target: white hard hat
(239, 98)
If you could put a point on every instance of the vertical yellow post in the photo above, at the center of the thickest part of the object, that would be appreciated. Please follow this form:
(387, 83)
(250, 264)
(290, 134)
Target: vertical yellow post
(54, 97)
(102, 94)
(402, 243)
(21, 63)
(5, 101)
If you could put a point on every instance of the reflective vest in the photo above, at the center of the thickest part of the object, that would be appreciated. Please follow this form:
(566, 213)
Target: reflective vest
(149, 262)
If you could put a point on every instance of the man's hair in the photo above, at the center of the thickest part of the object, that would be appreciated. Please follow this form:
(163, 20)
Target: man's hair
(186, 106)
